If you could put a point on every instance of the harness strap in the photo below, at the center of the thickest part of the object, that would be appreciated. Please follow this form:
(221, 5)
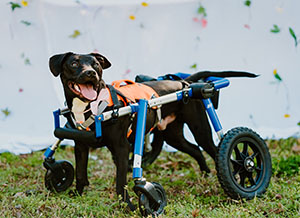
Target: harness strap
(114, 96)
(85, 125)
(185, 84)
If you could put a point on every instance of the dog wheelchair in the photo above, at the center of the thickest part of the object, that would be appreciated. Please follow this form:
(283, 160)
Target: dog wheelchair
(243, 161)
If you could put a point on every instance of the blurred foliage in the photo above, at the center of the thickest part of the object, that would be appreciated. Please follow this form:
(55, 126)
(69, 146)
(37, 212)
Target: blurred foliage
(286, 166)
(294, 36)
(247, 3)
(14, 5)
(275, 29)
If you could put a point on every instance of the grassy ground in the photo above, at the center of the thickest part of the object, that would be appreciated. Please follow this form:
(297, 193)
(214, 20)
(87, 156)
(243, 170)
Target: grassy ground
(189, 192)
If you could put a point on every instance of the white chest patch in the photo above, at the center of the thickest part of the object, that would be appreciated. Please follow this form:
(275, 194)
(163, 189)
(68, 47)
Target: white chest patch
(78, 108)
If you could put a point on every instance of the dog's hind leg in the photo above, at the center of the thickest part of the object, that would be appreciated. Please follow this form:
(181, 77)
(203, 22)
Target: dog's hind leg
(203, 136)
(81, 159)
(204, 139)
(156, 147)
(173, 135)
(196, 119)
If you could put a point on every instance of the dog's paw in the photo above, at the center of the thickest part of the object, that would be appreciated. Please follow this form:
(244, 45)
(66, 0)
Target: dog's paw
(206, 173)
(74, 193)
(132, 207)
(80, 185)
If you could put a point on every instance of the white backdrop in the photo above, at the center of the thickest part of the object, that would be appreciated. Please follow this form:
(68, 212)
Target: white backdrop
(152, 37)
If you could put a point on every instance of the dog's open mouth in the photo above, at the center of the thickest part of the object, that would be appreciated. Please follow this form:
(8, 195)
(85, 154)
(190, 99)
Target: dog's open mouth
(87, 91)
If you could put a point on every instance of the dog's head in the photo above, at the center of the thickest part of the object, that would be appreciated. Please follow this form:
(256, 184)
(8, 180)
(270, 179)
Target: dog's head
(81, 75)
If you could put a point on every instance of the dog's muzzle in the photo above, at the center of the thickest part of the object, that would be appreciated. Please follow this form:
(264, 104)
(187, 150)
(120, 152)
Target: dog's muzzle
(86, 90)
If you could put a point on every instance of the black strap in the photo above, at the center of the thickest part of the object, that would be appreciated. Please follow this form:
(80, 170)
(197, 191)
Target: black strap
(114, 97)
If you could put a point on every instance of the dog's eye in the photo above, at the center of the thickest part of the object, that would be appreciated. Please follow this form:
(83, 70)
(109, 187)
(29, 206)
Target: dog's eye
(96, 65)
(74, 64)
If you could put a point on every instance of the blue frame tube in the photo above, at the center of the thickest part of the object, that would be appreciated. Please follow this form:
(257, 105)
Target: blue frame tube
(219, 82)
(98, 128)
(213, 117)
(56, 118)
(51, 150)
(139, 139)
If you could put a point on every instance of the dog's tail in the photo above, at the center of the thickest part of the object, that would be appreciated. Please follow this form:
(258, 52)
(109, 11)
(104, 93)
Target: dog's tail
(204, 74)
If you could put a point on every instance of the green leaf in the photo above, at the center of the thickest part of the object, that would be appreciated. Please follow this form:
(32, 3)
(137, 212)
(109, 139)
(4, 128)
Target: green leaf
(275, 29)
(202, 11)
(27, 61)
(14, 5)
(27, 23)
(194, 66)
(293, 35)
(75, 34)
(298, 123)
(6, 112)
(278, 77)
(248, 3)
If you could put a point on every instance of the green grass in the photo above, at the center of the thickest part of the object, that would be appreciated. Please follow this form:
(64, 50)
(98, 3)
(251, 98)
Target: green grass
(190, 193)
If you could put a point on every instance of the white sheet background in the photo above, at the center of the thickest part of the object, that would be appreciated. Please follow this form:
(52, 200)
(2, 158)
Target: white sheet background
(165, 36)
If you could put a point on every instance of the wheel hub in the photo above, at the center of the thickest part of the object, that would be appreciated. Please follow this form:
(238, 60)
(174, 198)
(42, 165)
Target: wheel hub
(249, 164)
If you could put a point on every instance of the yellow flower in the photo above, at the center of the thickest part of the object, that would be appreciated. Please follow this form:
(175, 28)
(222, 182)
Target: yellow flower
(24, 3)
(145, 4)
(287, 116)
(132, 17)
(275, 71)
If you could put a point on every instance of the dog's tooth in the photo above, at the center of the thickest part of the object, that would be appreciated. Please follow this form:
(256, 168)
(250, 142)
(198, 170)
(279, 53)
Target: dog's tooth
(76, 87)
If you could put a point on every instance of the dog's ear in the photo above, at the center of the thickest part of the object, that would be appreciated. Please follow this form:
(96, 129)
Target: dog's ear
(103, 60)
(56, 62)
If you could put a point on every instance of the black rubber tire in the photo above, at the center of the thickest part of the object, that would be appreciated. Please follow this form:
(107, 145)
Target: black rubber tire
(54, 183)
(243, 173)
(151, 208)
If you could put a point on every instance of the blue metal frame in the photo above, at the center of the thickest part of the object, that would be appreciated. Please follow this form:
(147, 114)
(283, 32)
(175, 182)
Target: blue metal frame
(218, 82)
(212, 114)
(49, 152)
(98, 128)
(139, 139)
(56, 118)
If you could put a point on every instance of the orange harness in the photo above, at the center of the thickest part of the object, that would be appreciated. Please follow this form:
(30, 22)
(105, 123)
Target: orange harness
(127, 92)
(132, 91)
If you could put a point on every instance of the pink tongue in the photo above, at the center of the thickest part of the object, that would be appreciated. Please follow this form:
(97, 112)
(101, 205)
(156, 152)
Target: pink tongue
(88, 91)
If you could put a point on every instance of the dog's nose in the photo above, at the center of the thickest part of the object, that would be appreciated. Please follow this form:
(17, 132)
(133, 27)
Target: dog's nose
(90, 73)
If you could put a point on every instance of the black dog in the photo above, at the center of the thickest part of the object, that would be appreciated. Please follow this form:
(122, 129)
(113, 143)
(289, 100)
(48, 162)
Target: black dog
(81, 76)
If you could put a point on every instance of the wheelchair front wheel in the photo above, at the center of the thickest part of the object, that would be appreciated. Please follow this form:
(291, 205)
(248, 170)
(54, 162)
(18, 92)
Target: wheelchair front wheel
(148, 206)
(61, 181)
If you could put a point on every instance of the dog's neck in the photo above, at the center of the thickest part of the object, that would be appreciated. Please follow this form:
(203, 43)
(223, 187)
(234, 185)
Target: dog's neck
(78, 109)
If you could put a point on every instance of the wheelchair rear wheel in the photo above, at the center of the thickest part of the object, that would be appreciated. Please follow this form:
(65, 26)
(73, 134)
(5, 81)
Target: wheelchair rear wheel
(243, 164)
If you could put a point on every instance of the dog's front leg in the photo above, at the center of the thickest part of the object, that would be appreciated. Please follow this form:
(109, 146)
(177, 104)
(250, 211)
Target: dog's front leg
(121, 155)
(81, 159)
